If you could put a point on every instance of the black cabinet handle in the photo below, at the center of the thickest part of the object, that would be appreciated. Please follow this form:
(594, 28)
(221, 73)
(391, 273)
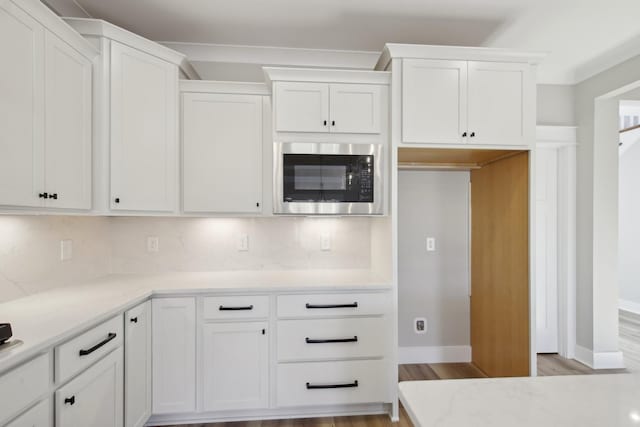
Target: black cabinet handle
(70, 400)
(117, 200)
(472, 134)
(54, 196)
(110, 337)
(311, 306)
(321, 386)
(333, 122)
(324, 123)
(464, 135)
(257, 204)
(43, 195)
(312, 341)
(223, 308)
(134, 319)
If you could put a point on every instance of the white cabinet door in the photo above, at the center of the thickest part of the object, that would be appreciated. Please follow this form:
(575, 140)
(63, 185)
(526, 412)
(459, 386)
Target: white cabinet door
(137, 365)
(174, 355)
(144, 116)
(498, 103)
(434, 101)
(37, 416)
(21, 108)
(68, 126)
(354, 108)
(94, 398)
(302, 107)
(236, 366)
(222, 153)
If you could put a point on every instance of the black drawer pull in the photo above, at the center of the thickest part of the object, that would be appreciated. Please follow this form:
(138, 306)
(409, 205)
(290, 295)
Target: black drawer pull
(248, 307)
(70, 400)
(321, 386)
(354, 305)
(110, 337)
(310, 341)
(134, 319)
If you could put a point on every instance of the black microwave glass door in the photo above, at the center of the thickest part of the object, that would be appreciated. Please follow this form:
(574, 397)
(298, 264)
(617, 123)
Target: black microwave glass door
(328, 178)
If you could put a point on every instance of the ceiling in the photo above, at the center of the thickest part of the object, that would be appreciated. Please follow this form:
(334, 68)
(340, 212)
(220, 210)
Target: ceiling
(582, 36)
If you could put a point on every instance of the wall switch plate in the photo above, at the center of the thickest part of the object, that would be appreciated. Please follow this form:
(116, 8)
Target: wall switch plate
(243, 242)
(153, 244)
(66, 250)
(325, 242)
(420, 325)
(431, 244)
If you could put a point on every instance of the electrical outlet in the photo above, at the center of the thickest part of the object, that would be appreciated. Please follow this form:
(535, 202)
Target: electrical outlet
(431, 244)
(153, 244)
(420, 325)
(243, 242)
(325, 241)
(66, 250)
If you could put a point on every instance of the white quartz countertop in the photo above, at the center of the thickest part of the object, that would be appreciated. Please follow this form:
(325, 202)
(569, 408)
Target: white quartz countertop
(562, 401)
(46, 319)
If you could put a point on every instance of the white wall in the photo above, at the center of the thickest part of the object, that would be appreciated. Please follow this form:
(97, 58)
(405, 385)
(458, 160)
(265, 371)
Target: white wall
(556, 105)
(629, 225)
(434, 285)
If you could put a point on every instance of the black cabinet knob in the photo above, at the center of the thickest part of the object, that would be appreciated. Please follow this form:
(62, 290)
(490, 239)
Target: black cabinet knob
(257, 204)
(54, 196)
(134, 320)
(70, 400)
(464, 135)
(324, 123)
(472, 134)
(117, 200)
(333, 122)
(43, 195)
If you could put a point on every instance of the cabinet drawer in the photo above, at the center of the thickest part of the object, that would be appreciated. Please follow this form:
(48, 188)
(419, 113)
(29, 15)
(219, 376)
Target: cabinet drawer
(23, 385)
(324, 339)
(322, 305)
(38, 416)
(236, 307)
(332, 383)
(85, 349)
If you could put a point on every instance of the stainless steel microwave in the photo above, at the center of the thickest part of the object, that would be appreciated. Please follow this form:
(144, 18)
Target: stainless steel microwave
(328, 179)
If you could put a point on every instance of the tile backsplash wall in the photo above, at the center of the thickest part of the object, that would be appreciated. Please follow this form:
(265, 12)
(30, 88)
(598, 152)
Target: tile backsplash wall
(30, 247)
(30, 252)
(210, 244)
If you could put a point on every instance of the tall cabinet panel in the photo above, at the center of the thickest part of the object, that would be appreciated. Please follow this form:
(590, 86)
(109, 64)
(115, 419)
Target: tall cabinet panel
(68, 126)
(174, 355)
(144, 111)
(137, 365)
(222, 138)
(21, 108)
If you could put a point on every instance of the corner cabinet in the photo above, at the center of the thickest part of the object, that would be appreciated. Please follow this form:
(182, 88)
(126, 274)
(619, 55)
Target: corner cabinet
(45, 110)
(222, 150)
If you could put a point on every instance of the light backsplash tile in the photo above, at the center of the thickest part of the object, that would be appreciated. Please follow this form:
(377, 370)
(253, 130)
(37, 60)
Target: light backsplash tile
(30, 247)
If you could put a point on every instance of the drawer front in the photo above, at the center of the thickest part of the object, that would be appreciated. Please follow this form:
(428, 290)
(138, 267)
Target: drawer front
(332, 383)
(38, 416)
(333, 305)
(87, 348)
(236, 307)
(324, 339)
(23, 385)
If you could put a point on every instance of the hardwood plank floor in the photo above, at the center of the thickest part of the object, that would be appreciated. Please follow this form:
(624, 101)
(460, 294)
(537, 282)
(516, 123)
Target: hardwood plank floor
(548, 364)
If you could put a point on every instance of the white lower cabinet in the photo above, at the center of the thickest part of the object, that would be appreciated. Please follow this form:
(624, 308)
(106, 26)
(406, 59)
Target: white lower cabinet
(137, 365)
(235, 371)
(38, 416)
(174, 355)
(94, 398)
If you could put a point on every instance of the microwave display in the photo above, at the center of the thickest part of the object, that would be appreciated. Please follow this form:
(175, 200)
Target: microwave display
(328, 178)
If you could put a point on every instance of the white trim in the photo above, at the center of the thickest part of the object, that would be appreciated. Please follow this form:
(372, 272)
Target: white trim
(630, 306)
(283, 56)
(602, 360)
(434, 354)
(556, 136)
(273, 74)
(204, 86)
(397, 50)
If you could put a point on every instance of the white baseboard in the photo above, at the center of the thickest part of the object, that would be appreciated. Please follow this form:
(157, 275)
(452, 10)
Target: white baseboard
(631, 306)
(600, 360)
(435, 354)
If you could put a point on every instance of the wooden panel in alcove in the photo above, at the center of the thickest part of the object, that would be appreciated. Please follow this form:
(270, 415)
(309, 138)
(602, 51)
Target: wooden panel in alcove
(463, 157)
(500, 267)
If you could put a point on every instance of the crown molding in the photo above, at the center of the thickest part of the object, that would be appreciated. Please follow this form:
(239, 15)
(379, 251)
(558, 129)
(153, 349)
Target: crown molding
(280, 56)
(273, 74)
(205, 86)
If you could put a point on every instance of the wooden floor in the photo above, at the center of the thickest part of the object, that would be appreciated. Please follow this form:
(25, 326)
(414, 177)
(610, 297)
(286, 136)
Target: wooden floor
(548, 364)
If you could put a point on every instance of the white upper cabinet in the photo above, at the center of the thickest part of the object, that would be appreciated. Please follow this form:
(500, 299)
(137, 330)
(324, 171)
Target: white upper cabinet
(21, 108)
(68, 126)
(302, 107)
(434, 101)
(222, 137)
(144, 115)
(45, 110)
(498, 104)
(354, 108)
